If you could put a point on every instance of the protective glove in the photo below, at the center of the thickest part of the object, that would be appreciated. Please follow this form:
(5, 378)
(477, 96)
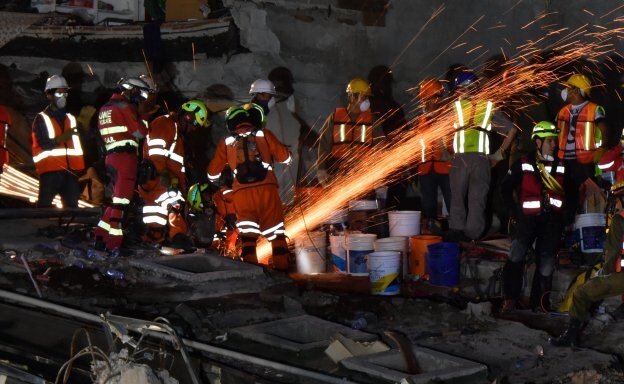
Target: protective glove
(322, 177)
(230, 221)
(85, 116)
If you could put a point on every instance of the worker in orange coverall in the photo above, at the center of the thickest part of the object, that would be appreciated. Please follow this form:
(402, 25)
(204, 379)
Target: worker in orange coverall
(5, 123)
(161, 174)
(248, 153)
(121, 128)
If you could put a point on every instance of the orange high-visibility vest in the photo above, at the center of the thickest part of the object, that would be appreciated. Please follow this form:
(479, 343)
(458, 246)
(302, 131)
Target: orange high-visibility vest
(65, 156)
(347, 133)
(586, 137)
(431, 152)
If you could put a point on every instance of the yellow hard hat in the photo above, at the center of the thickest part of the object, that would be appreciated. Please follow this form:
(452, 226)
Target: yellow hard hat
(581, 82)
(359, 85)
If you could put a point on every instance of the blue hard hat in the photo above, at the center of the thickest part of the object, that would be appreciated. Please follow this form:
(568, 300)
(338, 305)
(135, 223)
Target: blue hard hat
(465, 79)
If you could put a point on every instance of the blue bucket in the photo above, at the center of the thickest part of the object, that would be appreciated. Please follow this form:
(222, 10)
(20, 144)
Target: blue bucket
(443, 263)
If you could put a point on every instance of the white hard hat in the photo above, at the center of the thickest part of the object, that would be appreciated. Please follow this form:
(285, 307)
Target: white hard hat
(55, 82)
(128, 83)
(262, 86)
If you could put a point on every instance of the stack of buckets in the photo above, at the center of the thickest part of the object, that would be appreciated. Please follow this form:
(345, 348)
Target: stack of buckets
(311, 250)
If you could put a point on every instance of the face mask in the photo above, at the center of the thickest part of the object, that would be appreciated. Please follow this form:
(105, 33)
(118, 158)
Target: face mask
(61, 102)
(271, 102)
(290, 103)
(564, 94)
(548, 157)
(364, 105)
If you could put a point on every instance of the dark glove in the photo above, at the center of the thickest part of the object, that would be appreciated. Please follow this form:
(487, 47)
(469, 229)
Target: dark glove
(230, 221)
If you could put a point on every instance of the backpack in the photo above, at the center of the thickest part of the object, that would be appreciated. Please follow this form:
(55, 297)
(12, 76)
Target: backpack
(248, 166)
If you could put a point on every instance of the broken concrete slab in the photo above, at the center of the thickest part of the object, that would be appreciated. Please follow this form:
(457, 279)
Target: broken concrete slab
(300, 333)
(200, 267)
(391, 366)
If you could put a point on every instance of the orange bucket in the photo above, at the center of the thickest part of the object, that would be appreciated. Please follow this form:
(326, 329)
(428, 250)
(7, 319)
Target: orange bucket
(418, 252)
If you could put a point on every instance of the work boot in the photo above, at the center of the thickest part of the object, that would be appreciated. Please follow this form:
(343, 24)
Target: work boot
(569, 338)
(540, 292)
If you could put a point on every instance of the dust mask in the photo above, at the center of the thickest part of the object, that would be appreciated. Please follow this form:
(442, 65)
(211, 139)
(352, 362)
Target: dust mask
(271, 102)
(364, 105)
(61, 102)
(564, 94)
(548, 157)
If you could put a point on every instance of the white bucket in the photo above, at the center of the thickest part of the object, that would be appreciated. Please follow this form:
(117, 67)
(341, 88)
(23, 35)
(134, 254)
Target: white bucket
(338, 253)
(312, 239)
(311, 260)
(311, 251)
(359, 245)
(590, 231)
(383, 271)
(396, 243)
(404, 223)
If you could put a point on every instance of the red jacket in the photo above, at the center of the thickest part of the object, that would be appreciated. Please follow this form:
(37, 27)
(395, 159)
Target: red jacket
(533, 190)
(120, 126)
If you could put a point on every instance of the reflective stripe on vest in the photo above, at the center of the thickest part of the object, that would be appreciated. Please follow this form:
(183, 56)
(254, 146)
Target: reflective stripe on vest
(71, 153)
(462, 125)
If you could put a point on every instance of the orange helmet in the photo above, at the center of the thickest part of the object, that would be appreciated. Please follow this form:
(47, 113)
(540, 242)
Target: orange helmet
(429, 88)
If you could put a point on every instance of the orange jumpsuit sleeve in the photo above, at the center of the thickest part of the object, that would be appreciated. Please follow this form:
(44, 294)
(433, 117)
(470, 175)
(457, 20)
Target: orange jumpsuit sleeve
(278, 150)
(218, 162)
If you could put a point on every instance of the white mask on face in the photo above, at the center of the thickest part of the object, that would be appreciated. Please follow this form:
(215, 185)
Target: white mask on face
(564, 94)
(365, 105)
(61, 102)
(548, 157)
(271, 102)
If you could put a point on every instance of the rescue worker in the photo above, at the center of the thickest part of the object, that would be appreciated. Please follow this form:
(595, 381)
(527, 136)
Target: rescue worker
(5, 124)
(347, 131)
(582, 126)
(470, 174)
(121, 129)
(433, 169)
(248, 153)
(537, 181)
(56, 149)
(282, 123)
(609, 281)
(162, 189)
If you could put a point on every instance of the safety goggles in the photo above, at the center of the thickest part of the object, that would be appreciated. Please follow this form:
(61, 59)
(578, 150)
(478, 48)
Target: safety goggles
(60, 93)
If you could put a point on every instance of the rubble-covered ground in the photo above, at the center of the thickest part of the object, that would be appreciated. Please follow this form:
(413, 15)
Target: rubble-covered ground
(205, 311)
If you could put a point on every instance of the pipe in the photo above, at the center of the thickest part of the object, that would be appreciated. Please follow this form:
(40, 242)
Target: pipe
(189, 343)
(44, 213)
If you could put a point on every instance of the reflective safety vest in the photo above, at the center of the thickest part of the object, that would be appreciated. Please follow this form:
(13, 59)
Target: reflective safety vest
(434, 155)
(347, 133)
(472, 126)
(65, 156)
(5, 123)
(586, 137)
(533, 194)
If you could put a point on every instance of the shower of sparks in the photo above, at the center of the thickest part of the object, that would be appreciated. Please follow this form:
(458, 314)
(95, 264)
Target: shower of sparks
(21, 186)
(381, 165)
